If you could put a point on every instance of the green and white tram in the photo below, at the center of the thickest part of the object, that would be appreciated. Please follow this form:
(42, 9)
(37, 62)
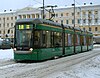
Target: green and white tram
(40, 39)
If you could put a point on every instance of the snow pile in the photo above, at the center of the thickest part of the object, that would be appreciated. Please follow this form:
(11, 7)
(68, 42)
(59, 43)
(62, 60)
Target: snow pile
(96, 46)
(6, 54)
(86, 69)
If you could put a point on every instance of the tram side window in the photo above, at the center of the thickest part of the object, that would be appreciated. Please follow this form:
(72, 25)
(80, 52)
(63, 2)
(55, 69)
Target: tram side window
(84, 40)
(66, 39)
(57, 39)
(69, 40)
(42, 39)
(52, 39)
(81, 40)
(37, 39)
(46, 39)
(90, 40)
(72, 39)
(77, 40)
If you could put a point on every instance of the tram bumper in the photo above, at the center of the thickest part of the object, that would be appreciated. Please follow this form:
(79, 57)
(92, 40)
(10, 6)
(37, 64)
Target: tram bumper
(25, 55)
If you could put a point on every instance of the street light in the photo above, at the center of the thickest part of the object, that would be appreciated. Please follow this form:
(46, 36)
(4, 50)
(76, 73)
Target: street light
(74, 12)
(43, 10)
(74, 25)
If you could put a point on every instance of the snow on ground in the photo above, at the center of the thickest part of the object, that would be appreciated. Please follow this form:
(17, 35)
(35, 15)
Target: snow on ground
(6, 54)
(87, 69)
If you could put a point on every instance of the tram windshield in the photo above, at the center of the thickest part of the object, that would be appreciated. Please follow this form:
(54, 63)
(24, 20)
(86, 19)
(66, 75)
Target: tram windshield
(23, 35)
(23, 38)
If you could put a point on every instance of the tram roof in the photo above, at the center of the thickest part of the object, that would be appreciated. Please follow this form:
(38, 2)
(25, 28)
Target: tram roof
(43, 21)
(37, 21)
(77, 28)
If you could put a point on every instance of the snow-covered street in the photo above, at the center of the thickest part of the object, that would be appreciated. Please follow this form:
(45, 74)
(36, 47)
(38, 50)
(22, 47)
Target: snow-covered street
(86, 69)
(76, 66)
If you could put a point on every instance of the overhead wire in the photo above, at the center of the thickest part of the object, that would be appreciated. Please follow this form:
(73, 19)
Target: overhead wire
(38, 2)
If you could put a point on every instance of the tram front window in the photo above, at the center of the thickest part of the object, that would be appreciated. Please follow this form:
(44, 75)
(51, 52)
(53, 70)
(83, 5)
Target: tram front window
(24, 38)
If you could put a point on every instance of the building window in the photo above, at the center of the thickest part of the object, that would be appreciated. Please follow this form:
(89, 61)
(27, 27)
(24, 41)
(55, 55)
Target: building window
(7, 24)
(11, 24)
(0, 32)
(78, 13)
(96, 12)
(83, 28)
(72, 21)
(15, 18)
(11, 31)
(89, 21)
(61, 14)
(11, 18)
(89, 12)
(33, 15)
(0, 25)
(3, 18)
(56, 20)
(96, 20)
(20, 16)
(67, 14)
(7, 18)
(72, 14)
(61, 21)
(89, 29)
(28, 16)
(84, 20)
(24, 16)
(67, 21)
(83, 14)
(37, 15)
(96, 29)
(78, 21)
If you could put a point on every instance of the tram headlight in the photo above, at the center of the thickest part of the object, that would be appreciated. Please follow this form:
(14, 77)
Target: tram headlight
(14, 49)
(31, 49)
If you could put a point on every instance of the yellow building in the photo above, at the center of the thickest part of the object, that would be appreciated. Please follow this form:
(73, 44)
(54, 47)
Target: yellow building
(7, 21)
(87, 17)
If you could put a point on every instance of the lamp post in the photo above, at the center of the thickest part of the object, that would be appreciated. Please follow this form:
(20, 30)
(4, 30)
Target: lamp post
(74, 26)
(74, 12)
(43, 10)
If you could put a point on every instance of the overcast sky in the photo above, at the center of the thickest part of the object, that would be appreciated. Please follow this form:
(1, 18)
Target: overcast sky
(18, 4)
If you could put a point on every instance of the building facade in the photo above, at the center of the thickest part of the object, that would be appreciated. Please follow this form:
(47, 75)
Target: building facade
(86, 17)
(7, 21)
